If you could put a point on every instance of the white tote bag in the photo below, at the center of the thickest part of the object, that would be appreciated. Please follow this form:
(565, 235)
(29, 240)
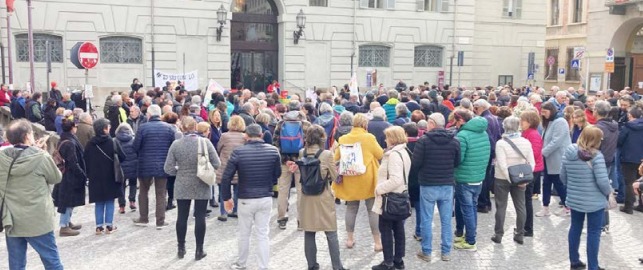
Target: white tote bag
(351, 161)
(204, 169)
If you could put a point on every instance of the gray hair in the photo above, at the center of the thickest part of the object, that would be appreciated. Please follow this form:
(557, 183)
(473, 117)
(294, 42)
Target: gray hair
(324, 108)
(18, 130)
(154, 110)
(465, 103)
(294, 105)
(254, 131)
(481, 103)
(346, 119)
(85, 118)
(380, 113)
(196, 99)
(125, 127)
(438, 119)
(117, 98)
(247, 107)
(401, 109)
(511, 124)
(602, 108)
(423, 124)
(393, 93)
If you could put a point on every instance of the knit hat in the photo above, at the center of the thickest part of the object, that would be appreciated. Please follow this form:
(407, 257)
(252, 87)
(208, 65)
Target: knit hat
(53, 84)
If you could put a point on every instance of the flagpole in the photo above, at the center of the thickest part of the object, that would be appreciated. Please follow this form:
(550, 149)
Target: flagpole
(32, 76)
(9, 51)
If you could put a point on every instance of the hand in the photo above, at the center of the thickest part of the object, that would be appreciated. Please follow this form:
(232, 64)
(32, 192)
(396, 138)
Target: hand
(635, 186)
(42, 143)
(641, 169)
(523, 186)
(228, 205)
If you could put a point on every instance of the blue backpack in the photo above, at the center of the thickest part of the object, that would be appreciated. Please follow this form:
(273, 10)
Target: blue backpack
(291, 137)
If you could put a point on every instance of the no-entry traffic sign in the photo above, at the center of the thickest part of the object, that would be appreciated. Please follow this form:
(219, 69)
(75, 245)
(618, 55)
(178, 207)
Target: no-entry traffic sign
(84, 55)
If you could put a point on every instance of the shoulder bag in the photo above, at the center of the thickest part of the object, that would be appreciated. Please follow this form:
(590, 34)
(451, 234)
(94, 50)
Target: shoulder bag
(5, 189)
(119, 176)
(521, 173)
(204, 170)
(396, 206)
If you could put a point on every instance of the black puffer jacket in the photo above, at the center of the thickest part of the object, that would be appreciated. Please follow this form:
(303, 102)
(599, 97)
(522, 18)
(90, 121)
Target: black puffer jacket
(70, 192)
(610, 139)
(258, 166)
(435, 157)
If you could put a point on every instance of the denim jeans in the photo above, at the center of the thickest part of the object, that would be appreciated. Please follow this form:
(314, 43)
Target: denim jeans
(594, 222)
(65, 218)
(235, 193)
(44, 244)
(484, 199)
(466, 214)
(418, 217)
(554, 179)
(443, 197)
(132, 192)
(104, 213)
(619, 178)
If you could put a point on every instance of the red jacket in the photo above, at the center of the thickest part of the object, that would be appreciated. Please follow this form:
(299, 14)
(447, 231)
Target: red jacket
(589, 115)
(536, 141)
(5, 97)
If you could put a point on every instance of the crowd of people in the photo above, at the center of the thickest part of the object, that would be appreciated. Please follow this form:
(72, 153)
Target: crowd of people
(391, 149)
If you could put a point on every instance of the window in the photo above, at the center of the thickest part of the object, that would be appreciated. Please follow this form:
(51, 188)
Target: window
(578, 11)
(555, 12)
(40, 48)
(512, 8)
(433, 5)
(386, 4)
(505, 80)
(374, 56)
(121, 50)
(551, 71)
(571, 74)
(428, 56)
(318, 3)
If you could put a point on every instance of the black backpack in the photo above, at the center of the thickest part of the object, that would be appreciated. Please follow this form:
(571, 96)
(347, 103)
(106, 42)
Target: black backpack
(311, 180)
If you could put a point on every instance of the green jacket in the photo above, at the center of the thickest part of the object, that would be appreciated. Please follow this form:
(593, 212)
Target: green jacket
(474, 151)
(28, 208)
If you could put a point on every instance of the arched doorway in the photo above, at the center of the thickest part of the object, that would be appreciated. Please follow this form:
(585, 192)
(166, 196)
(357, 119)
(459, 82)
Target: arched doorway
(628, 44)
(254, 44)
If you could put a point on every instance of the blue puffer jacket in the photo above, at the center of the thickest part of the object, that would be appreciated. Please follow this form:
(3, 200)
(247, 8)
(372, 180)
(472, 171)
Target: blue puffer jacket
(494, 130)
(152, 142)
(630, 141)
(587, 186)
(258, 166)
(130, 164)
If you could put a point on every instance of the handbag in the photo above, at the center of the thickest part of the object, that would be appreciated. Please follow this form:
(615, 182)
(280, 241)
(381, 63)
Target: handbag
(5, 189)
(351, 161)
(204, 170)
(520, 173)
(119, 176)
(396, 206)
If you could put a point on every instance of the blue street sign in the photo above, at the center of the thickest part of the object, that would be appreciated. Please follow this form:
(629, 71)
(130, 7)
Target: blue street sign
(575, 64)
(561, 71)
(530, 76)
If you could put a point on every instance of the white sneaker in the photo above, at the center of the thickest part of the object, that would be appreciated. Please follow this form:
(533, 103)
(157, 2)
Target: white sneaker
(543, 212)
(236, 266)
(563, 212)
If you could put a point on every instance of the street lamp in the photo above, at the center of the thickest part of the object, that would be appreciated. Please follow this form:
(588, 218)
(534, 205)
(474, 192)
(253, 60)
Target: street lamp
(222, 17)
(301, 24)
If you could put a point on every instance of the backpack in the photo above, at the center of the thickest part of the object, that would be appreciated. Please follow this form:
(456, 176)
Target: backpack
(58, 159)
(311, 179)
(291, 137)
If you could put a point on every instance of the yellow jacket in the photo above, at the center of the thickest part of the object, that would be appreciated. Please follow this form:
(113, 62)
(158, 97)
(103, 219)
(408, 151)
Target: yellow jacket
(361, 187)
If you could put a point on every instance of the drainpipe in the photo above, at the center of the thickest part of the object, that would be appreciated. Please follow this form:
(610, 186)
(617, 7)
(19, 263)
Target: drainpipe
(9, 57)
(32, 77)
(152, 41)
(455, 11)
(354, 34)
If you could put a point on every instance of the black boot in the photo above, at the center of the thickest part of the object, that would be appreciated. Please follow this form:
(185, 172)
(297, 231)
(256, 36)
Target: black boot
(200, 254)
(170, 205)
(181, 252)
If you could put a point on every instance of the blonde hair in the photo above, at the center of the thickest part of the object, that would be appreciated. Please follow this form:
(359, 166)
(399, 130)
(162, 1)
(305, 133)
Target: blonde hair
(188, 124)
(263, 118)
(203, 128)
(395, 135)
(580, 114)
(212, 116)
(60, 111)
(361, 121)
(590, 139)
(236, 124)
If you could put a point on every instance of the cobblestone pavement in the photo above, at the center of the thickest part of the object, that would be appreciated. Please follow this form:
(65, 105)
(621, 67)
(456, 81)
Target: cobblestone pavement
(147, 248)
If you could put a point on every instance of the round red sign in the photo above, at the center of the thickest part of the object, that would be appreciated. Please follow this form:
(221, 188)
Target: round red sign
(88, 55)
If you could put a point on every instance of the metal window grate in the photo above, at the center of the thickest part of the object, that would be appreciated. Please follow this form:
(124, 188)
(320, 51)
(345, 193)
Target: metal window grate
(40, 48)
(121, 50)
(428, 56)
(374, 56)
(318, 3)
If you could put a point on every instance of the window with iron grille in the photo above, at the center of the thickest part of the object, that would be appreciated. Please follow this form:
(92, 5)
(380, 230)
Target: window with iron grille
(121, 50)
(428, 56)
(512, 9)
(374, 56)
(571, 74)
(551, 71)
(40, 48)
(385, 4)
(318, 3)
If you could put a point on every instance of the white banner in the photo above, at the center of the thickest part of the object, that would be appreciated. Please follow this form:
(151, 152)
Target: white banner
(213, 87)
(191, 79)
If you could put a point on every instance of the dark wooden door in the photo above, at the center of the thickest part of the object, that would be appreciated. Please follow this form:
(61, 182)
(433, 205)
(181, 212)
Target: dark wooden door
(637, 72)
(617, 81)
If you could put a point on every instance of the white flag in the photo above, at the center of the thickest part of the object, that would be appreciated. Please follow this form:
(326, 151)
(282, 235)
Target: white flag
(353, 85)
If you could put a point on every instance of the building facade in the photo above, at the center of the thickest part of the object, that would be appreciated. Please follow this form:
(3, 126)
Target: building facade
(410, 40)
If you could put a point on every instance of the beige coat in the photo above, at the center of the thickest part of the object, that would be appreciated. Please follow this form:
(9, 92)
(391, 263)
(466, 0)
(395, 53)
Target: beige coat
(84, 133)
(392, 166)
(228, 142)
(317, 212)
(506, 156)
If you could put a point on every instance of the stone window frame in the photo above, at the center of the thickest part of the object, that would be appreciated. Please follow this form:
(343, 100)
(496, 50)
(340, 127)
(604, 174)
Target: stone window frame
(318, 3)
(428, 56)
(374, 55)
(121, 50)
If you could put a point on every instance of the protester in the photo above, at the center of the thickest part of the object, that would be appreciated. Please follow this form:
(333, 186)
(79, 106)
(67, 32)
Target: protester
(579, 120)
(507, 155)
(584, 174)
(556, 138)
(29, 170)
(125, 140)
(152, 141)
(116, 114)
(258, 166)
(401, 115)
(230, 141)
(590, 109)
(33, 109)
(354, 189)
(474, 157)
(630, 143)
(135, 119)
(182, 162)
(529, 123)
(390, 106)
(392, 177)
(327, 120)
(494, 130)
(377, 126)
(5, 96)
